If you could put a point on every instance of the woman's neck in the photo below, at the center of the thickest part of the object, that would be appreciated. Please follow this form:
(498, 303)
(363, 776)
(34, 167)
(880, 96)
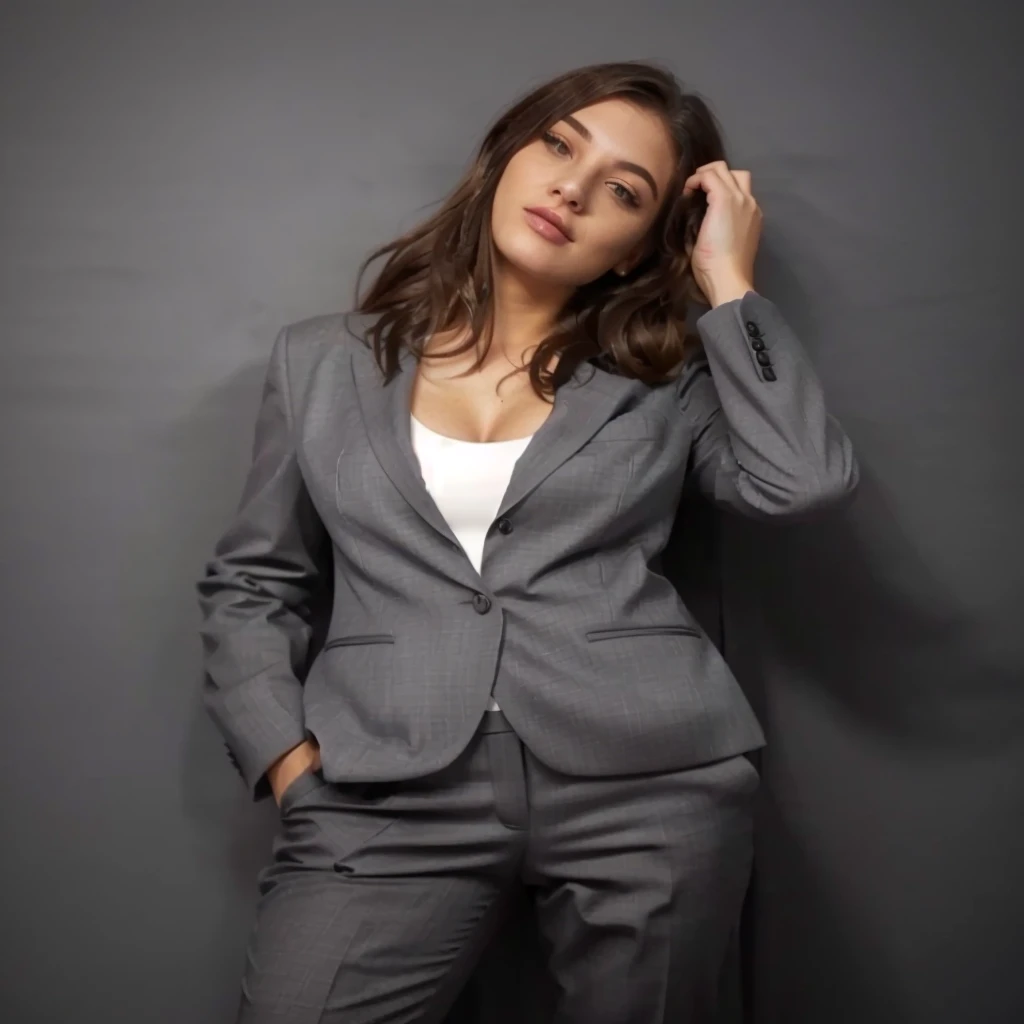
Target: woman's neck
(523, 311)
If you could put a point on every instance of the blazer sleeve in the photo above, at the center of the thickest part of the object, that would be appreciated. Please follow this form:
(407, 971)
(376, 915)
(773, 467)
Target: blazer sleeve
(256, 591)
(763, 442)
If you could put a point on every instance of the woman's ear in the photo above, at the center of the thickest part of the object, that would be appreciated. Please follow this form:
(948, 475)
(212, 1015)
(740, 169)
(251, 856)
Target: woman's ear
(632, 259)
(629, 261)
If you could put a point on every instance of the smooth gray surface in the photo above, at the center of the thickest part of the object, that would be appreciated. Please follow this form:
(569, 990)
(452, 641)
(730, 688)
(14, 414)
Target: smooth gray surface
(178, 180)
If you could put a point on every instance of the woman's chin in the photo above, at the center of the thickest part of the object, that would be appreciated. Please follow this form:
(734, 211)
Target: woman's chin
(525, 261)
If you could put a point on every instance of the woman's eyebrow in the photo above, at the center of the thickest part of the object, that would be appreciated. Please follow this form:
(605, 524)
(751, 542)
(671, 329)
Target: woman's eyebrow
(626, 165)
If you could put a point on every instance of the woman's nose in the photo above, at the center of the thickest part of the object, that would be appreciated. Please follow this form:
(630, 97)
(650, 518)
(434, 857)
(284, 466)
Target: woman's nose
(571, 191)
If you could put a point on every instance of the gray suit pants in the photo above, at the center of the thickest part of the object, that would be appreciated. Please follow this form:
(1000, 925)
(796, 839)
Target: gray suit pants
(380, 898)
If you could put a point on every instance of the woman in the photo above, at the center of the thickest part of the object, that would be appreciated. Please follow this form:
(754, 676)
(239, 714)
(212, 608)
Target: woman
(510, 690)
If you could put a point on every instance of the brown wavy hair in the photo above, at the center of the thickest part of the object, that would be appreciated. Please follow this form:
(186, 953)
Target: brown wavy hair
(437, 277)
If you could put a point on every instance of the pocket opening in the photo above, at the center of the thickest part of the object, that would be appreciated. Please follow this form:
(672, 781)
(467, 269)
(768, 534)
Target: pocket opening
(623, 631)
(366, 638)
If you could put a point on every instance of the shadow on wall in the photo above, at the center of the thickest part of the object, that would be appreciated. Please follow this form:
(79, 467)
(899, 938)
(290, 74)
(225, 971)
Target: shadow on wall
(883, 693)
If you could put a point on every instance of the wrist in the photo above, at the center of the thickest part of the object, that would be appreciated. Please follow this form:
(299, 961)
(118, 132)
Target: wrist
(726, 289)
(298, 759)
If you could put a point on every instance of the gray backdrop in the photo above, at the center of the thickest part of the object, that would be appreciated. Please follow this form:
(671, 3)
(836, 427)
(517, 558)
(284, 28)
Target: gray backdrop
(179, 179)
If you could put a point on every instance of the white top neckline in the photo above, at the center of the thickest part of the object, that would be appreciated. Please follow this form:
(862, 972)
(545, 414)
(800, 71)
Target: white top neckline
(458, 440)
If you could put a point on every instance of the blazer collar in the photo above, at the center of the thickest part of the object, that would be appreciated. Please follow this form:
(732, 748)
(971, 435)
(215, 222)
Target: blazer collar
(581, 405)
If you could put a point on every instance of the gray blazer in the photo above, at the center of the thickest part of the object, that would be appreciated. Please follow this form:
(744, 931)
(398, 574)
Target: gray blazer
(593, 656)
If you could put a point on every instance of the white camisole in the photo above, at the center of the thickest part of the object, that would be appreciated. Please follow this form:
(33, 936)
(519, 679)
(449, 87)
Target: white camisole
(467, 480)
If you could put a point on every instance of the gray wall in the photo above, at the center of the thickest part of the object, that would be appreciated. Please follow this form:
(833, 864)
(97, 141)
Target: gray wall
(179, 179)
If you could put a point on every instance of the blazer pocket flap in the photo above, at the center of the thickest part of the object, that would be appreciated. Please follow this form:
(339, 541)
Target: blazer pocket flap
(612, 633)
(360, 638)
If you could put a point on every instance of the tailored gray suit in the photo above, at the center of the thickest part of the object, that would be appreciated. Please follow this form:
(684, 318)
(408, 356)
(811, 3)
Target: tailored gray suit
(601, 671)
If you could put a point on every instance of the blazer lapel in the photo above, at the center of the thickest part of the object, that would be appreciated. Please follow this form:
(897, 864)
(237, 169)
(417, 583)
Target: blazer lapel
(581, 406)
(386, 412)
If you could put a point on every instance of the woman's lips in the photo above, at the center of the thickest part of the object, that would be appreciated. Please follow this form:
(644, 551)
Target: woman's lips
(545, 228)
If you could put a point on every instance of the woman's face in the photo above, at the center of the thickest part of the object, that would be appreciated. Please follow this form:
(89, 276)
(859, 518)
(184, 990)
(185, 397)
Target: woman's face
(603, 172)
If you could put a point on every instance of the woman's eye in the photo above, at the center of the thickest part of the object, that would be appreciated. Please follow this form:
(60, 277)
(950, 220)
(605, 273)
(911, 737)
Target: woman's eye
(554, 141)
(626, 195)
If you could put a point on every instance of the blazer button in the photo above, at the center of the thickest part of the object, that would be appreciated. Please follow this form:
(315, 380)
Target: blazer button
(764, 359)
(753, 329)
(504, 525)
(768, 373)
(757, 344)
(481, 604)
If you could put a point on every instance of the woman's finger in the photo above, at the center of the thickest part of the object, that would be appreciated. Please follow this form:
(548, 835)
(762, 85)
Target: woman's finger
(726, 182)
(743, 182)
(704, 177)
(692, 183)
(737, 182)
